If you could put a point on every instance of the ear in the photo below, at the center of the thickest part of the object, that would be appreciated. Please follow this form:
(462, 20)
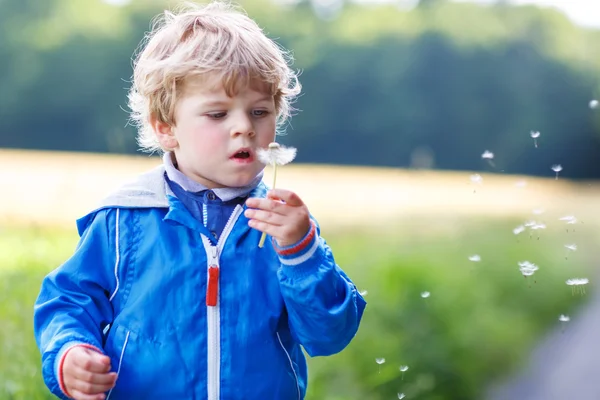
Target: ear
(164, 133)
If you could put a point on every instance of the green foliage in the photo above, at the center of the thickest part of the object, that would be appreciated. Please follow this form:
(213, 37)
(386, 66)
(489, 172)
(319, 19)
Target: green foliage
(479, 324)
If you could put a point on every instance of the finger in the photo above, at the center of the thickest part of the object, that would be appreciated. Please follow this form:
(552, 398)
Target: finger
(92, 388)
(77, 395)
(92, 377)
(265, 227)
(93, 361)
(267, 205)
(264, 216)
(289, 197)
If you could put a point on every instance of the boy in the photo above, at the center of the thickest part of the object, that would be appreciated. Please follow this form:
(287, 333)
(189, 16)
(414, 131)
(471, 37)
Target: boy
(168, 294)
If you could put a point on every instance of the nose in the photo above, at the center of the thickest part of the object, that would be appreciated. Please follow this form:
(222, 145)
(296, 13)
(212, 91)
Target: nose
(242, 126)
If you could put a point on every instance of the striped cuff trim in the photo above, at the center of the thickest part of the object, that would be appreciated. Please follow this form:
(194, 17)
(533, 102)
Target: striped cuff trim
(298, 247)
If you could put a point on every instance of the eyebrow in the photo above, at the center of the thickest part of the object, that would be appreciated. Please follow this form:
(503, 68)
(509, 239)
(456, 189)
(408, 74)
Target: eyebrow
(219, 103)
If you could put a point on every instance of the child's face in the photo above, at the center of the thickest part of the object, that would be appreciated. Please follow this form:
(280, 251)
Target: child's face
(215, 137)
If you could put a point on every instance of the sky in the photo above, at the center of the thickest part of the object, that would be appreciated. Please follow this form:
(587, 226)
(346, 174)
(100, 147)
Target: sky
(582, 12)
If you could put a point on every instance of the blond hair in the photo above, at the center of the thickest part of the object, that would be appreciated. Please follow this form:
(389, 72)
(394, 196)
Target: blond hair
(215, 38)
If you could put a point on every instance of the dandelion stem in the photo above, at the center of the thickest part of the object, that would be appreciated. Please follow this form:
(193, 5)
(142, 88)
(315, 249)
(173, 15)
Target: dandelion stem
(264, 235)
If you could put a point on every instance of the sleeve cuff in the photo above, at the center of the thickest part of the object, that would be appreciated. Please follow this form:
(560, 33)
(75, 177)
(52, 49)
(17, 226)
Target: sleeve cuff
(60, 359)
(301, 251)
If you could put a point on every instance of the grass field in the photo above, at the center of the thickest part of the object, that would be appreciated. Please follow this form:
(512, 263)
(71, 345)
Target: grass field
(398, 233)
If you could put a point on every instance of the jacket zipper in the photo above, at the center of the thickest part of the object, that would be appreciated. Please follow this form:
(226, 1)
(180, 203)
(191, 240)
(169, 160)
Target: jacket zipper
(213, 315)
(120, 361)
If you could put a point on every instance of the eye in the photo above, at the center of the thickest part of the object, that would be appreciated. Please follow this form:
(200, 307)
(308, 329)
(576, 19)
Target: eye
(217, 115)
(260, 113)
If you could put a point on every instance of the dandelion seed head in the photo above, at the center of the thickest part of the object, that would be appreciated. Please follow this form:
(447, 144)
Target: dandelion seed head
(475, 258)
(571, 247)
(380, 360)
(557, 168)
(425, 295)
(594, 104)
(401, 396)
(487, 155)
(403, 368)
(519, 229)
(535, 134)
(564, 318)
(276, 154)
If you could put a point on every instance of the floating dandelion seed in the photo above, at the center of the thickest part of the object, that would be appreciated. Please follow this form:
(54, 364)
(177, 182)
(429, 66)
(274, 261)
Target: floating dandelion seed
(475, 258)
(563, 319)
(476, 179)
(536, 227)
(594, 104)
(275, 155)
(519, 229)
(578, 285)
(557, 168)
(401, 396)
(380, 361)
(364, 293)
(527, 268)
(521, 183)
(489, 156)
(571, 247)
(535, 135)
(425, 295)
(538, 211)
(403, 369)
(570, 220)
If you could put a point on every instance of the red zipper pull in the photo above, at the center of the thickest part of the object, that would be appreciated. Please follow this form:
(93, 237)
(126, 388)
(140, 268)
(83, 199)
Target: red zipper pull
(212, 288)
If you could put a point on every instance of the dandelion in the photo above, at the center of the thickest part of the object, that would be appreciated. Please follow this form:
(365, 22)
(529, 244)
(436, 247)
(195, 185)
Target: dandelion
(578, 285)
(475, 258)
(570, 247)
(557, 168)
(489, 156)
(593, 104)
(401, 396)
(425, 295)
(275, 155)
(403, 369)
(380, 361)
(535, 135)
(364, 293)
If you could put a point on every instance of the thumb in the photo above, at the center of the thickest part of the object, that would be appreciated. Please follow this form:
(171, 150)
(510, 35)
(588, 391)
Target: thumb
(98, 357)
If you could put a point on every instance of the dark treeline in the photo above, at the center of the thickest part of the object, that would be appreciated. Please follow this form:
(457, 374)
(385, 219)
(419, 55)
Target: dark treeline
(431, 87)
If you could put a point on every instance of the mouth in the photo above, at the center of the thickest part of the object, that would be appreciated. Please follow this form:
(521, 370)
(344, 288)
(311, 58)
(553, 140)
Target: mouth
(244, 155)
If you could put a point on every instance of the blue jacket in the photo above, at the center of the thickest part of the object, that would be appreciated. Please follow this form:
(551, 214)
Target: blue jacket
(136, 287)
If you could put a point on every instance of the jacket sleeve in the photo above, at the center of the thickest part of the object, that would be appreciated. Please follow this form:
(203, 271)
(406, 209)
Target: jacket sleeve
(323, 305)
(73, 304)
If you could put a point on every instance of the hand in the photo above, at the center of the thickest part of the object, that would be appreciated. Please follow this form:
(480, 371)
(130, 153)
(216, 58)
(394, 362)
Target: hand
(282, 215)
(86, 374)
